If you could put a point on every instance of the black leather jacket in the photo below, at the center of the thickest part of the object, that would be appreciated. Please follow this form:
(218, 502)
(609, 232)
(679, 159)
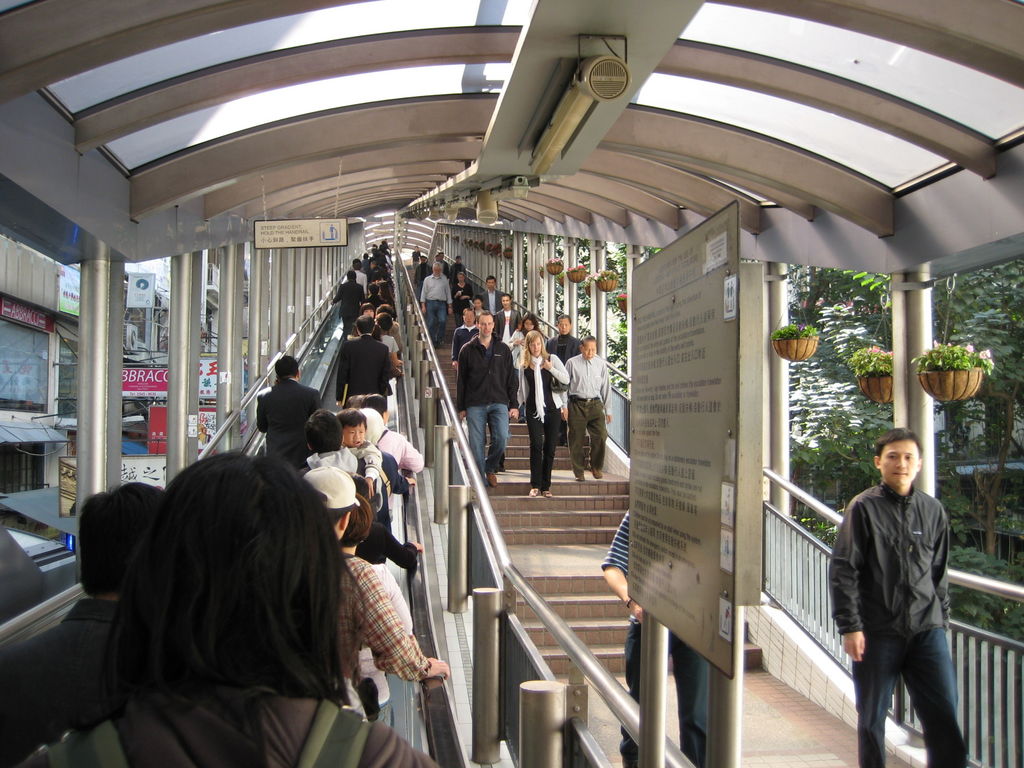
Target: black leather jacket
(484, 380)
(888, 570)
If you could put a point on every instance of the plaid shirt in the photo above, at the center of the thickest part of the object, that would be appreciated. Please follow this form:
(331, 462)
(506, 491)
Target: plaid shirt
(368, 618)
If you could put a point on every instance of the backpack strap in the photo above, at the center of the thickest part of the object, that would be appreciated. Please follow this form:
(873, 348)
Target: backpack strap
(99, 747)
(336, 738)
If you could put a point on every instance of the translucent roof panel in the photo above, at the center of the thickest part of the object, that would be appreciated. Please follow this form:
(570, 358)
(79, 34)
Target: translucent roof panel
(986, 104)
(874, 153)
(347, 21)
(282, 103)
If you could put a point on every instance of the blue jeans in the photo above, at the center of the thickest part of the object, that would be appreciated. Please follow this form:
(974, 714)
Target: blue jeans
(927, 669)
(690, 671)
(495, 415)
(437, 318)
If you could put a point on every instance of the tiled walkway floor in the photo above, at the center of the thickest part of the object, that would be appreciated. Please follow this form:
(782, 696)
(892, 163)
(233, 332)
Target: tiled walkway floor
(781, 729)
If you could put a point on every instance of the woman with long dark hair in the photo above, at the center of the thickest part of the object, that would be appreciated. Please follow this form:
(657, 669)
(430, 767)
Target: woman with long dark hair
(542, 406)
(226, 640)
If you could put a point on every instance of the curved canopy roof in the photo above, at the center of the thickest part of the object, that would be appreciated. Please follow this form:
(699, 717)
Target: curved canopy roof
(354, 108)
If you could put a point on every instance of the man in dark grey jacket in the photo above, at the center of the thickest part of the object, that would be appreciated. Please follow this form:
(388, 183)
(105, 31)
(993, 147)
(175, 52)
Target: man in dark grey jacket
(891, 604)
(487, 393)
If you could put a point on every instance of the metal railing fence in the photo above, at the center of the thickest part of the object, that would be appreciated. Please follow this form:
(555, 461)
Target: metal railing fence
(989, 667)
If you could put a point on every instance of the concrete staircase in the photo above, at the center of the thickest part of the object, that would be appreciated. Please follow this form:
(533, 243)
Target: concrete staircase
(558, 543)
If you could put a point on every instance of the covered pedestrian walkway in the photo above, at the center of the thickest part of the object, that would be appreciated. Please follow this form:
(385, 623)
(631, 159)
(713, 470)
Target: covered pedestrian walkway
(526, 138)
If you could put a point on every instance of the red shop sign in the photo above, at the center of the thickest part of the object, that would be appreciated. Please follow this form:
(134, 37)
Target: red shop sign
(22, 313)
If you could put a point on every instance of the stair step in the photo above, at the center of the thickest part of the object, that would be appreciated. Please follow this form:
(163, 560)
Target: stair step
(590, 631)
(561, 487)
(612, 656)
(515, 462)
(568, 518)
(591, 584)
(753, 657)
(579, 535)
(583, 606)
(578, 503)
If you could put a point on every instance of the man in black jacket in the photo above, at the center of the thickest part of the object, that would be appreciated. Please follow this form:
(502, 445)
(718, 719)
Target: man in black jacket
(487, 392)
(348, 297)
(891, 604)
(282, 410)
(364, 365)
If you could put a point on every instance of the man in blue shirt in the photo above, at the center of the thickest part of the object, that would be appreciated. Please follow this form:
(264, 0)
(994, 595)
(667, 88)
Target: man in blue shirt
(688, 667)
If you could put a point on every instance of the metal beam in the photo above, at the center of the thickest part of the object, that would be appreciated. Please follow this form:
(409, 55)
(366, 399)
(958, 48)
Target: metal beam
(50, 40)
(306, 138)
(642, 203)
(757, 160)
(317, 194)
(277, 69)
(852, 100)
(984, 35)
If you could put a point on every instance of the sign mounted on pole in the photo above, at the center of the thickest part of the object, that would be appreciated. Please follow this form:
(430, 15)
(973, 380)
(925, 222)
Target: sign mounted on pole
(695, 476)
(301, 233)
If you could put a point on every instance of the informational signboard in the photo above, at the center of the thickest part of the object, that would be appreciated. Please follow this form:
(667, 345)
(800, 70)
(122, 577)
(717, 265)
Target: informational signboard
(150, 470)
(151, 382)
(141, 290)
(206, 427)
(695, 444)
(69, 301)
(301, 233)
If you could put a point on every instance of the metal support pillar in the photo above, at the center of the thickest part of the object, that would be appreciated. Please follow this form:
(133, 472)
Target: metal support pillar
(517, 267)
(632, 257)
(300, 256)
(99, 435)
(229, 340)
(777, 410)
(725, 705)
(486, 746)
(459, 499)
(442, 471)
(653, 672)
(572, 290)
(550, 310)
(183, 361)
(532, 265)
(920, 406)
(599, 304)
(275, 283)
(428, 418)
(541, 723)
(258, 296)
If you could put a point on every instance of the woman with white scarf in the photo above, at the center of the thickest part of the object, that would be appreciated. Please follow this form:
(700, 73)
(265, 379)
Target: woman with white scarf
(542, 407)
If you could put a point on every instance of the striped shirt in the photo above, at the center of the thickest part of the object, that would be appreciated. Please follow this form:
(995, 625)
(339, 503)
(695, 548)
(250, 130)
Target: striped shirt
(618, 552)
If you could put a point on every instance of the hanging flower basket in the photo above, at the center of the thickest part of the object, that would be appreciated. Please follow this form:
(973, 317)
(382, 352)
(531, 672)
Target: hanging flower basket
(953, 371)
(606, 280)
(873, 368)
(508, 253)
(554, 266)
(795, 342)
(621, 300)
(952, 385)
(576, 274)
(877, 388)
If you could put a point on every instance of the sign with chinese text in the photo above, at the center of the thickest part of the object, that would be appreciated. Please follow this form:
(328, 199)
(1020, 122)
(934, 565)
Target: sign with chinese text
(301, 233)
(150, 470)
(151, 383)
(70, 298)
(695, 474)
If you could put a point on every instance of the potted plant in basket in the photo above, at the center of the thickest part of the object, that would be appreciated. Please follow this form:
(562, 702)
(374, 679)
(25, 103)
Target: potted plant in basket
(555, 265)
(606, 280)
(953, 371)
(795, 342)
(873, 368)
(576, 274)
(621, 301)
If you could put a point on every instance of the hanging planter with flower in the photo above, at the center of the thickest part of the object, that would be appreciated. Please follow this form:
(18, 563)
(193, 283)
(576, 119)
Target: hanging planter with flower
(606, 280)
(576, 274)
(621, 301)
(873, 368)
(953, 371)
(508, 253)
(795, 342)
(555, 265)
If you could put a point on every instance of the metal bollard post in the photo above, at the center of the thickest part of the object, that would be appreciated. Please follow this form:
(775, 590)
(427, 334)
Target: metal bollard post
(428, 420)
(442, 471)
(459, 499)
(417, 368)
(541, 723)
(486, 746)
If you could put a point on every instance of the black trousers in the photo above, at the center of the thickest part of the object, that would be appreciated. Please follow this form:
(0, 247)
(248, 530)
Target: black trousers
(543, 441)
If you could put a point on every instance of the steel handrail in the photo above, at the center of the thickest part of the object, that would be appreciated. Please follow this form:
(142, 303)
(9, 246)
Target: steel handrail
(25, 624)
(476, 480)
(608, 688)
(960, 578)
(235, 416)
